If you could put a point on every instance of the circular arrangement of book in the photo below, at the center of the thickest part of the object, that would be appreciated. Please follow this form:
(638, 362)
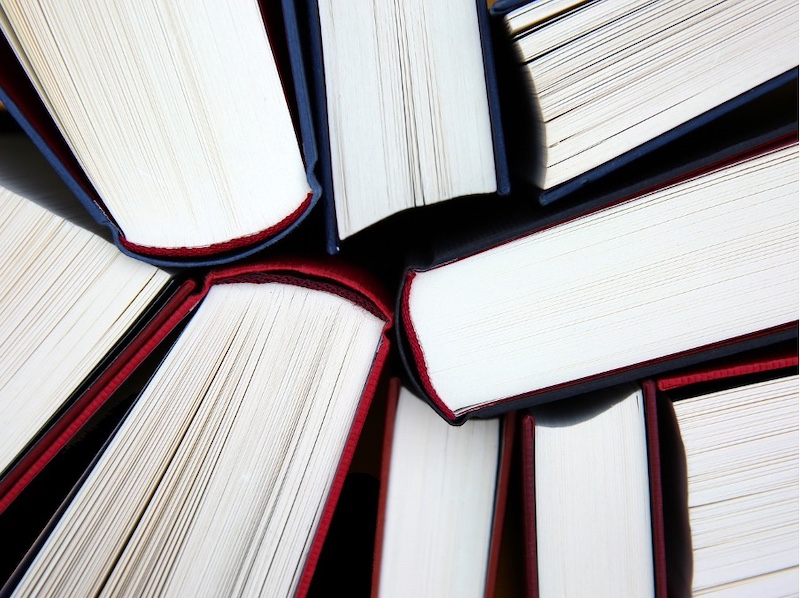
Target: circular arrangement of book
(556, 351)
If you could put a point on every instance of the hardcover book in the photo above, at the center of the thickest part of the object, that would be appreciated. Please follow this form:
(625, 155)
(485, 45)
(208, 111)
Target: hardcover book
(406, 107)
(612, 81)
(681, 485)
(592, 496)
(226, 471)
(613, 292)
(462, 473)
(206, 109)
(729, 432)
(74, 314)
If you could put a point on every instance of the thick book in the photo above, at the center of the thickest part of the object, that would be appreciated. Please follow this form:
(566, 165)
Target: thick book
(74, 315)
(224, 475)
(729, 448)
(451, 482)
(591, 487)
(406, 106)
(610, 82)
(613, 291)
(206, 109)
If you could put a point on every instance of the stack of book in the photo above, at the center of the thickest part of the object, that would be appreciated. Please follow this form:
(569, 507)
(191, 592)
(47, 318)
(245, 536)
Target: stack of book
(242, 352)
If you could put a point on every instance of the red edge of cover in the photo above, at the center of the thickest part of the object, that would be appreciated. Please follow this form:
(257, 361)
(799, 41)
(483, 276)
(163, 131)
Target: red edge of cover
(416, 348)
(218, 248)
(509, 423)
(331, 270)
(656, 495)
(529, 505)
(386, 460)
(96, 395)
(734, 369)
(643, 364)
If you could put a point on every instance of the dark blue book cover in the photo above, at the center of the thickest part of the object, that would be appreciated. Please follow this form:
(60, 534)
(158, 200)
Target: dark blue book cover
(23, 103)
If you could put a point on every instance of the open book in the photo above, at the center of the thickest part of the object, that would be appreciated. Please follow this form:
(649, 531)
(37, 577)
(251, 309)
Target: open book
(224, 475)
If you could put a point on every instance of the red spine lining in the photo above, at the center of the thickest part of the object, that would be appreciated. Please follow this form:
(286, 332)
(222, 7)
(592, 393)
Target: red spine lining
(720, 373)
(219, 248)
(656, 496)
(416, 349)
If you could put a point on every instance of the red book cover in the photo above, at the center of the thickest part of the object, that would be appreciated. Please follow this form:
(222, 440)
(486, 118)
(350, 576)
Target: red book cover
(330, 276)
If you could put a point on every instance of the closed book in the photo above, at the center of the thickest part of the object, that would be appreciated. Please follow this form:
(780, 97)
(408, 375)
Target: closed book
(206, 110)
(611, 292)
(77, 317)
(406, 107)
(610, 82)
(592, 496)
(684, 484)
(462, 472)
(729, 445)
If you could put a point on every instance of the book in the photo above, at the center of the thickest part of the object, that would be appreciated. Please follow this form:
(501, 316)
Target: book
(685, 484)
(731, 432)
(613, 292)
(206, 165)
(74, 312)
(225, 473)
(610, 81)
(588, 474)
(451, 483)
(406, 108)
